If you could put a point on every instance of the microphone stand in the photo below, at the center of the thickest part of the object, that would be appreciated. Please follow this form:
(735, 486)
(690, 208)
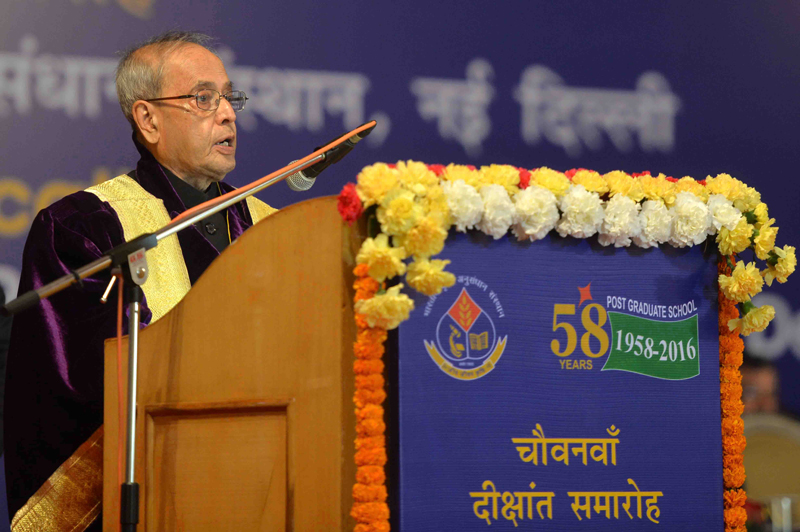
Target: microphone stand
(130, 258)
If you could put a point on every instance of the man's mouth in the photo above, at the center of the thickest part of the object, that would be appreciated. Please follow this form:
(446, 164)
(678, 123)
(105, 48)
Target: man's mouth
(226, 142)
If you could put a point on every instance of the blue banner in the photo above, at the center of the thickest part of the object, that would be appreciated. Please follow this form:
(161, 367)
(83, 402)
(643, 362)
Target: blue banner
(563, 383)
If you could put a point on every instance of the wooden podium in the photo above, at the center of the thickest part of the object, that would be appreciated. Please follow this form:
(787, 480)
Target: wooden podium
(245, 418)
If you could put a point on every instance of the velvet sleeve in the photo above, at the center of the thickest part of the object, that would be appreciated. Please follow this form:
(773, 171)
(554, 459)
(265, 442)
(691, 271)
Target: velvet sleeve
(54, 387)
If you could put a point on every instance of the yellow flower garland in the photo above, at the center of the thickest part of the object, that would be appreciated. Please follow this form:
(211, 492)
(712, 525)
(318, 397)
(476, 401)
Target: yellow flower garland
(412, 209)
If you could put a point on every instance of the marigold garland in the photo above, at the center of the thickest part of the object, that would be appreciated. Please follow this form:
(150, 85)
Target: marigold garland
(731, 350)
(417, 204)
(369, 493)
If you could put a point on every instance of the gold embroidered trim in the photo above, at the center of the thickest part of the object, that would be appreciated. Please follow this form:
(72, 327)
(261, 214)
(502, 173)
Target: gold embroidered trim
(258, 209)
(140, 212)
(72, 497)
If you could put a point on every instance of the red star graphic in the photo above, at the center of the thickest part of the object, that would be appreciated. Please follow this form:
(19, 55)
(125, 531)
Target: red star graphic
(586, 293)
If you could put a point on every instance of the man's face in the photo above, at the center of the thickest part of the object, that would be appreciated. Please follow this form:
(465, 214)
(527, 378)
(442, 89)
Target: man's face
(190, 140)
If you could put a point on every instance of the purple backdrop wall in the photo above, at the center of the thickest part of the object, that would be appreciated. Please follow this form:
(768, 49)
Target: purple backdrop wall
(674, 87)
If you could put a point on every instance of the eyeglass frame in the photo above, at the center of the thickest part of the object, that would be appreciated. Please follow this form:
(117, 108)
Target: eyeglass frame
(195, 96)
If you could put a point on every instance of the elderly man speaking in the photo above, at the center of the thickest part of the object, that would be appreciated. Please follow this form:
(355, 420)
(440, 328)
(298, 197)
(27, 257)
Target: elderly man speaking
(182, 107)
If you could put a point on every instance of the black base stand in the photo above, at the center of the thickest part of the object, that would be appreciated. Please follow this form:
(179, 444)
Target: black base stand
(129, 509)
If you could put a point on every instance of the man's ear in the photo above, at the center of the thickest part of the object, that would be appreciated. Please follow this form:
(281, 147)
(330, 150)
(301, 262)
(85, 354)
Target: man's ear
(147, 121)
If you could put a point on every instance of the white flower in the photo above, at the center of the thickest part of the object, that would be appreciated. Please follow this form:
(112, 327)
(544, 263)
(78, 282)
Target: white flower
(692, 222)
(498, 211)
(536, 213)
(621, 222)
(724, 213)
(582, 213)
(466, 205)
(656, 222)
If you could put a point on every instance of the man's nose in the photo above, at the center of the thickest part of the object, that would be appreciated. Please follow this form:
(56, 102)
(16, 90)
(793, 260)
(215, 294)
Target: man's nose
(225, 112)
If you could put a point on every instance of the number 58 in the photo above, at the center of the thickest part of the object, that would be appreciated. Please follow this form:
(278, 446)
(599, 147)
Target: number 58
(592, 329)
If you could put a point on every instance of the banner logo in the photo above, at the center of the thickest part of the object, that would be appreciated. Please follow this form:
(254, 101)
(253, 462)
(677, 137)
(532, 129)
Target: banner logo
(467, 346)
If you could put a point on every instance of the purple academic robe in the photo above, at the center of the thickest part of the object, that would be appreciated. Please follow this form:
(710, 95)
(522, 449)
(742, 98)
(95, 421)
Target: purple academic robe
(54, 388)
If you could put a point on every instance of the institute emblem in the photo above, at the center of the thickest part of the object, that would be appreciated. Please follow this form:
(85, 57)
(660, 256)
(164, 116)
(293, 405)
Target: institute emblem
(467, 346)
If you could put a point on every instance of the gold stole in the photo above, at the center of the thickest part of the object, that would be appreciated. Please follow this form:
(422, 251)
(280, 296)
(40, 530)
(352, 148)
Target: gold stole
(72, 497)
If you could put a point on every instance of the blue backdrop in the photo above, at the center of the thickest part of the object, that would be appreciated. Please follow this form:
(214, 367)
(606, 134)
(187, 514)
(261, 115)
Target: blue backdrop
(680, 87)
(492, 388)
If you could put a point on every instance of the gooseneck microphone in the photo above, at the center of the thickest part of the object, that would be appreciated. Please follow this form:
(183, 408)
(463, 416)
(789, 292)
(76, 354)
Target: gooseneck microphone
(304, 179)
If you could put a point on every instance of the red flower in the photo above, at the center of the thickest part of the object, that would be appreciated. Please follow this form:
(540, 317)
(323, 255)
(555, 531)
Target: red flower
(571, 173)
(640, 174)
(349, 206)
(437, 169)
(471, 167)
(524, 178)
(672, 179)
(702, 182)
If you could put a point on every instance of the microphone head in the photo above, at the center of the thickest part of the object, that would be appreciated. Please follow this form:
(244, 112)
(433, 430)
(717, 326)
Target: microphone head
(299, 182)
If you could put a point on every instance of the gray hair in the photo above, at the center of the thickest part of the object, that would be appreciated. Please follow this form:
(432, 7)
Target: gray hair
(139, 78)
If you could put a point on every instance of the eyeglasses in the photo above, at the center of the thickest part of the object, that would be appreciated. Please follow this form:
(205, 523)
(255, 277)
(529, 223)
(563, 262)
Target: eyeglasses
(208, 99)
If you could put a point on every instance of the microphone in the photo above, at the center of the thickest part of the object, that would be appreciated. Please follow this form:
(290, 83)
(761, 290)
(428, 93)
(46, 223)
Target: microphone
(304, 179)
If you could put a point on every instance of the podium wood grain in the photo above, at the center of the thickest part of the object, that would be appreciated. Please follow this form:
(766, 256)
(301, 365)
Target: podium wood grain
(245, 418)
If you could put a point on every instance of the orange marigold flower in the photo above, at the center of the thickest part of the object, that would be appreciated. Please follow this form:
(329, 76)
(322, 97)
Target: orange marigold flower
(361, 322)
(373, 335)
(735, 517)
(369, 493)
(731, 342)
(732, 444)
(732, 426)
(733, 461)
(731, 359)
(365, 397)
(368, 367)
(734, 498)
(368, 350)
(730, 375)
(367, 512)
(374, 457)
(375, 526)
(732, 407)
(369, 412)
(730, 392)
(372, 442)
(370, 474)
(733, 478)
(362, 270)
(370, 427)
(369, 382)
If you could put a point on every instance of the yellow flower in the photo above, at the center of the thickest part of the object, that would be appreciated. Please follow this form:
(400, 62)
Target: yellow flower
(501, 174)
(374, 182)
(426, 238)
(386, 310)
(735, 241)
(743, 283)
(728, 186)
(383, 260)
(765, 240)
(687, 184)
(749, 200)
(785, 263)
(554, 181)
(591, 181)
(398, 211)
(621, 183)
(428, 276)
(756, 320)
(415, 176)
(434, 204)
(455, 172)
(658, 188)
(761, 213)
